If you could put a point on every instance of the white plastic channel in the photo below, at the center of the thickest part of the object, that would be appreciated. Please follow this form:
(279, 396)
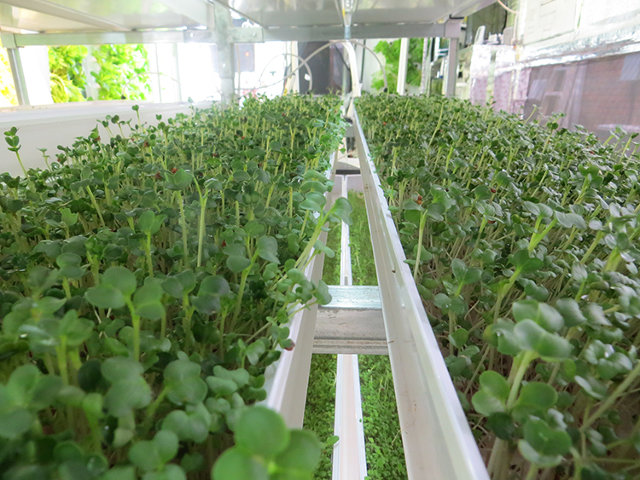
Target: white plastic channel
(437, 440)
(349, 459)
(286, 380)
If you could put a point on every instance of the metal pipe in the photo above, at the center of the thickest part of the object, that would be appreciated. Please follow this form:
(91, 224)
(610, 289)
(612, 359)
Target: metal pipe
(353, 64)
(17, 72)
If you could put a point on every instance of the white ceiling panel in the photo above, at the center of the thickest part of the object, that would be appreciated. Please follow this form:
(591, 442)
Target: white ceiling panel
(280, 19)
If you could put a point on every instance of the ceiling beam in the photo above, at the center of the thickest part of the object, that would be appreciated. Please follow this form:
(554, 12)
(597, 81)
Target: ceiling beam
(236, 35)
(61, 11)
(360, 31)
(92, 38)
(450, 29)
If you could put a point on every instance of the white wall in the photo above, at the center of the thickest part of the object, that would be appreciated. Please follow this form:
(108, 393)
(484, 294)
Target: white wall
(270, 63)
(549, 23)
(59, 124)
(35, 64)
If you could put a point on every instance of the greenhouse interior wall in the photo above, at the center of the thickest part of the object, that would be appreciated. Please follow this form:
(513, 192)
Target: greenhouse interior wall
(575, 58)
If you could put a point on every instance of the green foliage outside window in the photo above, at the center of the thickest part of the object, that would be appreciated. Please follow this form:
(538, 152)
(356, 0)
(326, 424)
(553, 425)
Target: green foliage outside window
(123, 72)
(7, 90)
(391, 52)
(68, 80)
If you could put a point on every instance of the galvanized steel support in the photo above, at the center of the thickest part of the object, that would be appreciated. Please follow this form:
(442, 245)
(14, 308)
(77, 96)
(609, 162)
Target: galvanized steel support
(18, 75)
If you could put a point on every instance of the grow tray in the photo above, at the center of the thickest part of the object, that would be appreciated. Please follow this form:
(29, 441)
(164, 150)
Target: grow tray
(118, 288)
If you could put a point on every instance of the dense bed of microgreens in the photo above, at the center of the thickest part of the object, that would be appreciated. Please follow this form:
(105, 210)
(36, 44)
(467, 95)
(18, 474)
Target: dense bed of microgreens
(363, 267)
(144, 287)
(383, 442)
(331, 268)
(319, 413)
(522, 239)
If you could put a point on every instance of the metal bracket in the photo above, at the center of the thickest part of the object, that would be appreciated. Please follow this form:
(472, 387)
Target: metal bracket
(351, 323)
(8, 40)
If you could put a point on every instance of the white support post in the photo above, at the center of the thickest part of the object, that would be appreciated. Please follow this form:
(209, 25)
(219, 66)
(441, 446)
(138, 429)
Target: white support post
(89, 64)
(295, 79)
(425, 78)
(453, 31)
(402, 66)
(452, 68)
(176, 58)
(226, 60)
(346, 276)
(18, 75)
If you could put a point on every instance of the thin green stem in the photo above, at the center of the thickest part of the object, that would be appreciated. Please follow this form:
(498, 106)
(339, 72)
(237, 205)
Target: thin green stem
(611, 399)
(61, 355)
(202, 228)
(147, 252)
(531, 474)
(183, 227)
(95, 205)
(24, 170)
(521, 364)
(243, 282)
(423, 221)
(135, 322)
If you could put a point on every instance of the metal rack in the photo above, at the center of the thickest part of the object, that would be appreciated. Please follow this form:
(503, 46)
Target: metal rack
(80, 22)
